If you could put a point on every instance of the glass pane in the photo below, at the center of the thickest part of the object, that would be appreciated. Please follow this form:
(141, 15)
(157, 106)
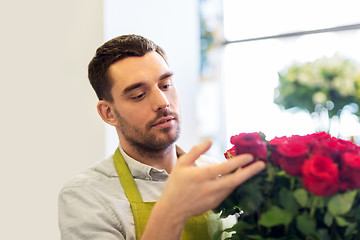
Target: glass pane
(255, 18)
(251, 75)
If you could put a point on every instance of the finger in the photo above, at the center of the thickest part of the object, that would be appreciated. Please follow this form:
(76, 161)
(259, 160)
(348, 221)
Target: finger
(229, 166)
(232, 180)
(223, 186)
(189, 158)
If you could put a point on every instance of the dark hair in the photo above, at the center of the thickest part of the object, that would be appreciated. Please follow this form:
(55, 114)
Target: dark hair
(114, 50)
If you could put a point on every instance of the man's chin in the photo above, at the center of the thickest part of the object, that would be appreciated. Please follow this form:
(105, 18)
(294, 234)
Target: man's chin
(172, 134)
(162, 138)
(157, 145)
(165, 142)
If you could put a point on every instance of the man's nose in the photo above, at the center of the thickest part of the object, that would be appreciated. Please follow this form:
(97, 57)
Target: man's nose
(159, 100)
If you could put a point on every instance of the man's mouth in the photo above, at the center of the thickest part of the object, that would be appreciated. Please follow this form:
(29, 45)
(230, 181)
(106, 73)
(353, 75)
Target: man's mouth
(163, 120)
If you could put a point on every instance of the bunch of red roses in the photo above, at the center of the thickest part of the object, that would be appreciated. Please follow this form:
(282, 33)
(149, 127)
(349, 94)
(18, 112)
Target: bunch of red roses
(325, 164)
(310, 189)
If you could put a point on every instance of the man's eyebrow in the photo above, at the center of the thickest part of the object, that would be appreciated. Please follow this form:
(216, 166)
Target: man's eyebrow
(140, 84)
(166, 75)
(132, 87)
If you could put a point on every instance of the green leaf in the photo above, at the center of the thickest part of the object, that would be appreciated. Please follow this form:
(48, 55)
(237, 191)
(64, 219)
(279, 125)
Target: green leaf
(250, 195)
(288, 201)
(301, 196)
(341, 221)
(351, 229)
(233, 237)
(328, 219)
(255, 237)
(357, 213)
(340, 204)
(242, 225)
(217, 235)
(306, 224)
(323, 234)
(239, 227)
(275, 216)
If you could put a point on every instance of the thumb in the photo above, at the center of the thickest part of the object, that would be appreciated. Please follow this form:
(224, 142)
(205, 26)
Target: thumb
(189, 158)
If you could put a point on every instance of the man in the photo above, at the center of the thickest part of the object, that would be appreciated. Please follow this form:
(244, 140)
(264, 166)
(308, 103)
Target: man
(149, 188)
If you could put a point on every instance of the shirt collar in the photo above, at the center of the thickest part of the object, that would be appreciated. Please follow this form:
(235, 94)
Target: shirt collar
(143, 171)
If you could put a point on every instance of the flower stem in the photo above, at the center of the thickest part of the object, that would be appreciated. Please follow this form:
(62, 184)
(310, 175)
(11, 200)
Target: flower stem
(313, 206)
(292, 183)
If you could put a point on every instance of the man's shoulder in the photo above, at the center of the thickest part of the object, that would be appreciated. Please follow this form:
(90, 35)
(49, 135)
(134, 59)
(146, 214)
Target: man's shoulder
(93, 200)
(101, 170)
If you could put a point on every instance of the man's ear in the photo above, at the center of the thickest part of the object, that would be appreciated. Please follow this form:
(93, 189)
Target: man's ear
(107, 113)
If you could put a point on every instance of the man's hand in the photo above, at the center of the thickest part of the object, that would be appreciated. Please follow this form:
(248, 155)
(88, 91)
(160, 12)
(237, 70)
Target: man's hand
(191, 191)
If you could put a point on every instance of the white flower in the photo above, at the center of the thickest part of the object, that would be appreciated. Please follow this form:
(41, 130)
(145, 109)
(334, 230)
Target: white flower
(319, 98)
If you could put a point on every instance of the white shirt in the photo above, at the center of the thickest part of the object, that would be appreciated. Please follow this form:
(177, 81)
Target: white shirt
(93, 205)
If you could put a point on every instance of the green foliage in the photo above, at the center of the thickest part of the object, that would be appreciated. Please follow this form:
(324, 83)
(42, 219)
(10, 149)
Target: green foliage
(301, 196)
(341, 204)
(306, 224)
(275, 216)
(278, 207)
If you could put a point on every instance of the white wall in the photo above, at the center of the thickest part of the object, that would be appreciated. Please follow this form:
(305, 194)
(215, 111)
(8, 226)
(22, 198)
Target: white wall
(49, 128)
(173, 25)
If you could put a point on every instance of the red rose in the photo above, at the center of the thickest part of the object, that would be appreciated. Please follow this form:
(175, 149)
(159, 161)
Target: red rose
(319, 136)
(320, 176)
(350, 171)
(307, 139)
(311, 139)
(328, 147)
(332, 148)
(230, 153)
(314, 138)
(276, 141)
(291, 156)
(250, 143)
(273, 145)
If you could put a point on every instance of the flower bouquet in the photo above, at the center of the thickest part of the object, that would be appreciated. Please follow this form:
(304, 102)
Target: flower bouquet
(331, 83)
(309, 189)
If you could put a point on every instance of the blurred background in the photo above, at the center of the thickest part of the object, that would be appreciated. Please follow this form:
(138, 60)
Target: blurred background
(240, 66)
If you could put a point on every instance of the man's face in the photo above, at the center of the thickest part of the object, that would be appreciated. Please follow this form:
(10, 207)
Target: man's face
(145, 102)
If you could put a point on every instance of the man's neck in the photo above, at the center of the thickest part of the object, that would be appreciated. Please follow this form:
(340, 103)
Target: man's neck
(162, 159)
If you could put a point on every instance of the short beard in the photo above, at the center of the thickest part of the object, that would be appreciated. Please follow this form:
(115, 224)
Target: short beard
(145, 142)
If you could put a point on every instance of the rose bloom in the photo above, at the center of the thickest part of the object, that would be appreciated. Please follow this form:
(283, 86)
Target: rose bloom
(350, 171)
(276, 141)
(314, 138)
(250, 143)
(332, 148)
(273, 145)
(230, 153)
(320, 176)
(307, 139)
(291, 156)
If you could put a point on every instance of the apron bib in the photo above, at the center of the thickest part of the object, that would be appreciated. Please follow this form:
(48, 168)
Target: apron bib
(196, 228)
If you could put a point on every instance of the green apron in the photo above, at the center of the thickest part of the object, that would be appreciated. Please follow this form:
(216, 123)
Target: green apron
(195, 227)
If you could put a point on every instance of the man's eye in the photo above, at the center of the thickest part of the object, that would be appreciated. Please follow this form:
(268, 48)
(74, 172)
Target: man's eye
(167, 86)
(138, 97)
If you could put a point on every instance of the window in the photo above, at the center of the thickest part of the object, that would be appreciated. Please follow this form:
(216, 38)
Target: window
(264, 37)
(251, 75)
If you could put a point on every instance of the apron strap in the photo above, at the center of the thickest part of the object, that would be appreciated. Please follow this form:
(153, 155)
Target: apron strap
(127, 180)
